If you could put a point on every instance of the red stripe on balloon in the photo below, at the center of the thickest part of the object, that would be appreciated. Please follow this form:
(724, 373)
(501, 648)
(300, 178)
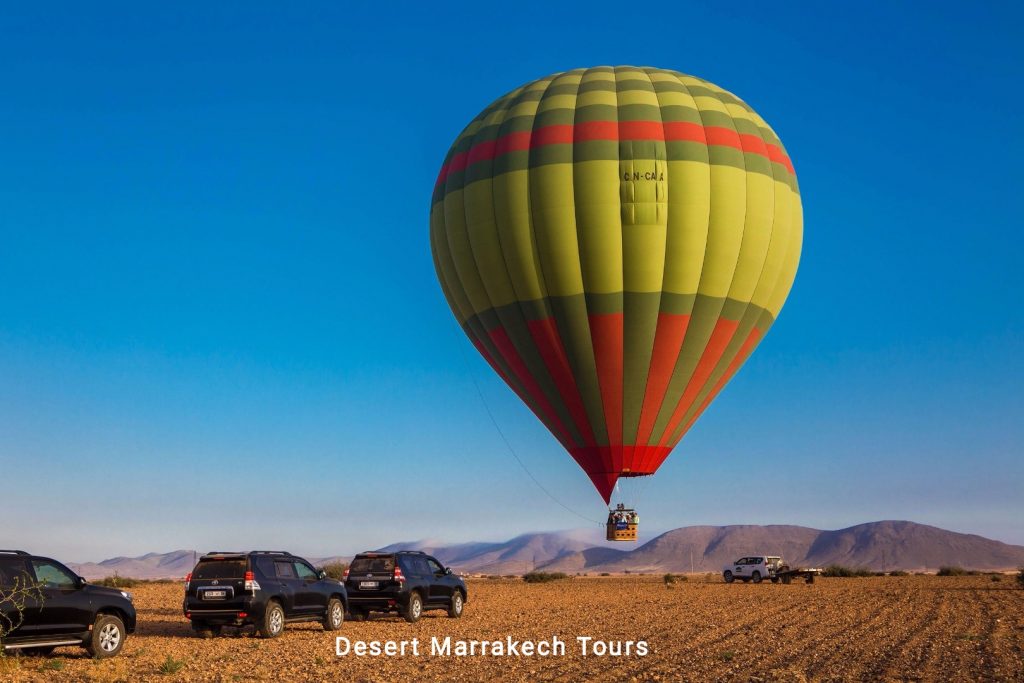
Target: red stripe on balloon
(723, 332)
(564, 134)
(512, 358)
(549, 345)
(606, 332)
(748, 345)
(668, 342)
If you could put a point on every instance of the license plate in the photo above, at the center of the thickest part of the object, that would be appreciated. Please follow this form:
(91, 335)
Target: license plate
(369, 584)
(214, 595)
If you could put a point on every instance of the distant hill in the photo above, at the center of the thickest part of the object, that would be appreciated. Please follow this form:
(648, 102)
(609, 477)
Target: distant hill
(174, 564)
(882, 546)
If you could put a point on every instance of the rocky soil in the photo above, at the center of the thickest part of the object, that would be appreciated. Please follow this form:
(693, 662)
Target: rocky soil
(915, 628)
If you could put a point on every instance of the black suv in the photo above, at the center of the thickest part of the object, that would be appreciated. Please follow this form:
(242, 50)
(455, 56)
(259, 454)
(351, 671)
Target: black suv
(407, 582)
(262, 588)
(73, 612)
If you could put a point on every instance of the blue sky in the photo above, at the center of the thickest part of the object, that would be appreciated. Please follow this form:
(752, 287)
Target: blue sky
(220, 326)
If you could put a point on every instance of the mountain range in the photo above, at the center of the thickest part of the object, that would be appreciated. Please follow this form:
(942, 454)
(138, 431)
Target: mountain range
(882, 546)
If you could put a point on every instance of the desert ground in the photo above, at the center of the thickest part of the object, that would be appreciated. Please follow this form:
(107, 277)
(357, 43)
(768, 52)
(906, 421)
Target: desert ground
(914, 628)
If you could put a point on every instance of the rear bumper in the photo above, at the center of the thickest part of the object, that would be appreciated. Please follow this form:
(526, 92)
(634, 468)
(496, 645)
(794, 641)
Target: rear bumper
(236, 614)
(380, 600)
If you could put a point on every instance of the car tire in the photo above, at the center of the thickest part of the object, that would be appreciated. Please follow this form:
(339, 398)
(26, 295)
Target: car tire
(272, 624)
(729, 578)
(457, 604)
(787, 580)
(358, 614)
(810, 578)
(335, 615)
(414, 609)
(756, 577)
(775, 579)
(106, 638)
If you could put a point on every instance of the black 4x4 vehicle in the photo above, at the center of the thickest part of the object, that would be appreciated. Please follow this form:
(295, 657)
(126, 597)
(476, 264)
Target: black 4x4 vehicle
(407, 582)
(263, 588)
(73, 612)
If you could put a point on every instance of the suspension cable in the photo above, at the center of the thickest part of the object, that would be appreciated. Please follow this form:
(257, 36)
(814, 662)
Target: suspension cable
(508, 445)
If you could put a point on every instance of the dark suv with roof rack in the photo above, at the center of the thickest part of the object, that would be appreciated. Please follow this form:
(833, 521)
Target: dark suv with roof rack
(72, 611)
(262, 588)
(407, 581)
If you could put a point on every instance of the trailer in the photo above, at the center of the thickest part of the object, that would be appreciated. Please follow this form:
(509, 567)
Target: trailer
(786, 574)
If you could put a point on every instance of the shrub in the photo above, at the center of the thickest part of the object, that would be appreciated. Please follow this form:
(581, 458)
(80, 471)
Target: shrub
(171, 665)
(898, 572)
(543, 577)
(609, 573)
(996, 578)
(53, 665)
(956, 571)
(839, 570)
(671, 579)
(1020, 578)
(335, 570)
(117, 581)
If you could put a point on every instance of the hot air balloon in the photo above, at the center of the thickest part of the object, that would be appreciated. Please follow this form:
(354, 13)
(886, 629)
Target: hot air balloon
(615, 242)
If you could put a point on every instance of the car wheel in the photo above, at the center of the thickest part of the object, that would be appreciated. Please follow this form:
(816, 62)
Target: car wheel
(787, 580)
(273, 620)
(729, 578)
(775, 579)
(335, 616)
(414, 610)
(455, 608)
(106, 638)
(756, 577)
(810, 578)
(357, 614)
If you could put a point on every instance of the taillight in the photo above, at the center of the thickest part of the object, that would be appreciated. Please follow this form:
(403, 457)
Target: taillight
(250, 582)
(345, 577)
(398, 575)
(188, 578)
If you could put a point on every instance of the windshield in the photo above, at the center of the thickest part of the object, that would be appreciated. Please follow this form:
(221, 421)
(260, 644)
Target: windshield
(219, 569)
(366, 565)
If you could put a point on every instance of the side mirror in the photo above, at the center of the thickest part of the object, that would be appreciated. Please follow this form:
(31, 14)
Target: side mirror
(322, 574)
(81, 581)
(448, 570)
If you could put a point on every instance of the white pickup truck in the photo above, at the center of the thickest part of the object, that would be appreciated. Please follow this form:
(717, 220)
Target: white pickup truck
(757, 568)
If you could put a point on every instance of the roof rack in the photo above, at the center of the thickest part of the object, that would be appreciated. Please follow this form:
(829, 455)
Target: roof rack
(271, 552)
(14, 552)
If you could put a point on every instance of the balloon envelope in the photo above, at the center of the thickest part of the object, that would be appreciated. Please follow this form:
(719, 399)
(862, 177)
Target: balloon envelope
(615, 242)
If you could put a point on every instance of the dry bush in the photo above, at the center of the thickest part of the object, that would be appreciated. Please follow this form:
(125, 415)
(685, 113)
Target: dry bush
(15, 599)
(335, 570)
(845, 572)
(956, 571)
(543, 577)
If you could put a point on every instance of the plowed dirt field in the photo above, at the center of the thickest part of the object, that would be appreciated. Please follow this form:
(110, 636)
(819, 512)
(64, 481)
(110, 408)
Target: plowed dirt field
(915, 628)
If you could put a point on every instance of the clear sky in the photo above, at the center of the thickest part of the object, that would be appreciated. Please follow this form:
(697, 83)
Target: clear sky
(220, 324)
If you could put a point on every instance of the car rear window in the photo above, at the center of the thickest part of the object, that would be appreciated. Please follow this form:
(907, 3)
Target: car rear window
(10, 569)
(219, 569)
(365, 565)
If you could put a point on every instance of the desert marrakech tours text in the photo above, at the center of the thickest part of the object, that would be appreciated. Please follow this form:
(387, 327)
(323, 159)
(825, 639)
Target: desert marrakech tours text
(586, 646)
